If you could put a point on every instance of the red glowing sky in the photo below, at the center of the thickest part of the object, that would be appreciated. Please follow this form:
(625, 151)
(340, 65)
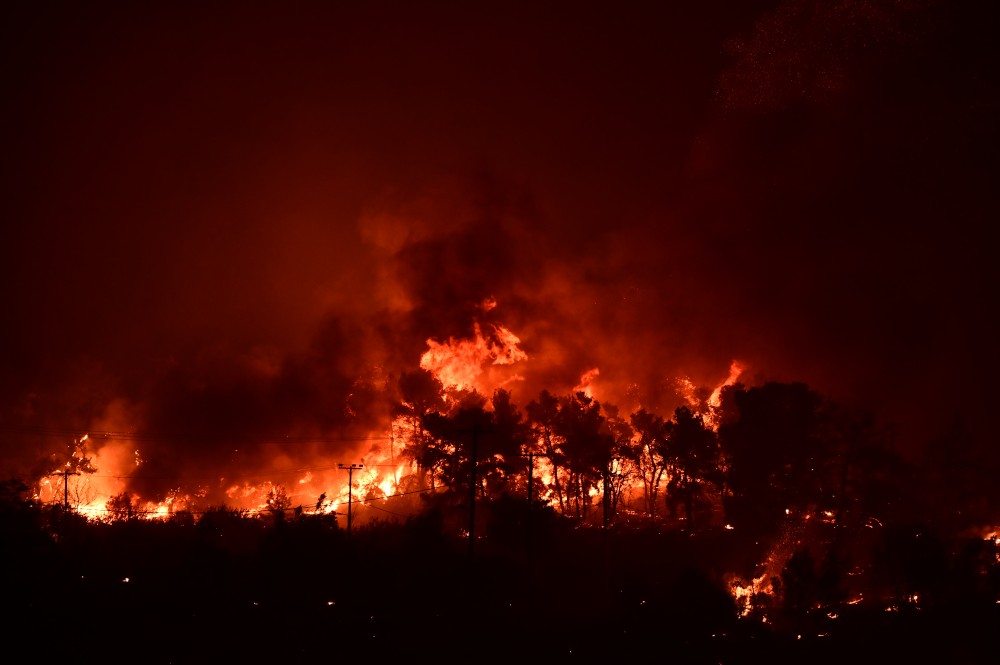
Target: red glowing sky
(266, 202)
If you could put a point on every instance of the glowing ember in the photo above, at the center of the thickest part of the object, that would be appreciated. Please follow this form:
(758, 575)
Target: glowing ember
(746, 593)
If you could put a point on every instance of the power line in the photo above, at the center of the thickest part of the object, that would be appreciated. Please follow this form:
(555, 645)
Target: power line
(65, 473)
(175, 436)
(369, 503)
(302, 469)
(350, 490)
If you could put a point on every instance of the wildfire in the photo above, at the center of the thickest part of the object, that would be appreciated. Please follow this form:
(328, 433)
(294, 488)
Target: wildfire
(736, 369)
(481, 362)
(746, 594)
(459, 363)
(686, 388)
(587, 380)
(754, 595)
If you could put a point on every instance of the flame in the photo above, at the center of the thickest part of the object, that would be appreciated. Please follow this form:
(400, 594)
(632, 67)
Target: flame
(747, 594)
(460, 363)
(736, 368)
(686, 388)
(482, 362)
(587, 380)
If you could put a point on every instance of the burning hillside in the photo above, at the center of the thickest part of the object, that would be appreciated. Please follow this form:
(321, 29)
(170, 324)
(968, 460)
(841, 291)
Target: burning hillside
(525, 276)
(257, 472)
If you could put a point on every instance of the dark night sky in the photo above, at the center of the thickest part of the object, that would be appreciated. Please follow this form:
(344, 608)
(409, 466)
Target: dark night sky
(219, 219)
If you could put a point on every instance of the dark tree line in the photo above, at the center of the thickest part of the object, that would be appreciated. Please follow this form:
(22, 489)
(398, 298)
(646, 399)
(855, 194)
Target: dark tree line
(843, 539)
(749, 461)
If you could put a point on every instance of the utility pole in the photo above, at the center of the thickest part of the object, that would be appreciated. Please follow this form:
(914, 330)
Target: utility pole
(530, 523)
(350, 490)
(608, 473)
(65, 473)
(531, 475)
(606, 498)
(392, 457)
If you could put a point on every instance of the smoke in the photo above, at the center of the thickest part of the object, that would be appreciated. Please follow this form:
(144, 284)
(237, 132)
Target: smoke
(231, 245)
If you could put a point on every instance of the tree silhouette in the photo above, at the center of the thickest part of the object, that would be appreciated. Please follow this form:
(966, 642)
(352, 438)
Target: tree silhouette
(122, 508)
(692, 451)
(502, 445)
(543, 417)
(646, 453)
(419, 397)
(770, 437)
(800, 586)
(278, 503)
(961, 480)
(619, 469)
(455, 440)
(587, 447)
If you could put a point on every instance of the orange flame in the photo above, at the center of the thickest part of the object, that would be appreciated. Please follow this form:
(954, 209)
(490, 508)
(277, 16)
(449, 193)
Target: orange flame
(460, 363)
(587, 379)
(736, 368)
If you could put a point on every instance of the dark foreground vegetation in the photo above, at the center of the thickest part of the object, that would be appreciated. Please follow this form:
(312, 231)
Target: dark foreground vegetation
(774, 528)
(226, 586)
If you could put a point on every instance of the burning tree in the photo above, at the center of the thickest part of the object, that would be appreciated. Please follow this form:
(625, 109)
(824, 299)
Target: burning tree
(76, 461)
(691, 450)
(419, 397)
(587, 446)
(456, 437)
(619, 470)
(646, 454)
(504, 445)
(543, 414)
(122, 508)
(493, 434)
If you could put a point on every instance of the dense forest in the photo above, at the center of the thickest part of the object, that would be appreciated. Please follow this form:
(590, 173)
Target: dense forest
(767, 523)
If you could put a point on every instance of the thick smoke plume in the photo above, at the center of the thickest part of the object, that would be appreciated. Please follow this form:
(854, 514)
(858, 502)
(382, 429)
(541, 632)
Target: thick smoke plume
(231, 234)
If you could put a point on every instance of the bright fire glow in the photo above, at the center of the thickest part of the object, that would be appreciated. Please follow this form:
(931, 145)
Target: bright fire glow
(736, 368)
(587, 380)
(99, 467)
(459, 363)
